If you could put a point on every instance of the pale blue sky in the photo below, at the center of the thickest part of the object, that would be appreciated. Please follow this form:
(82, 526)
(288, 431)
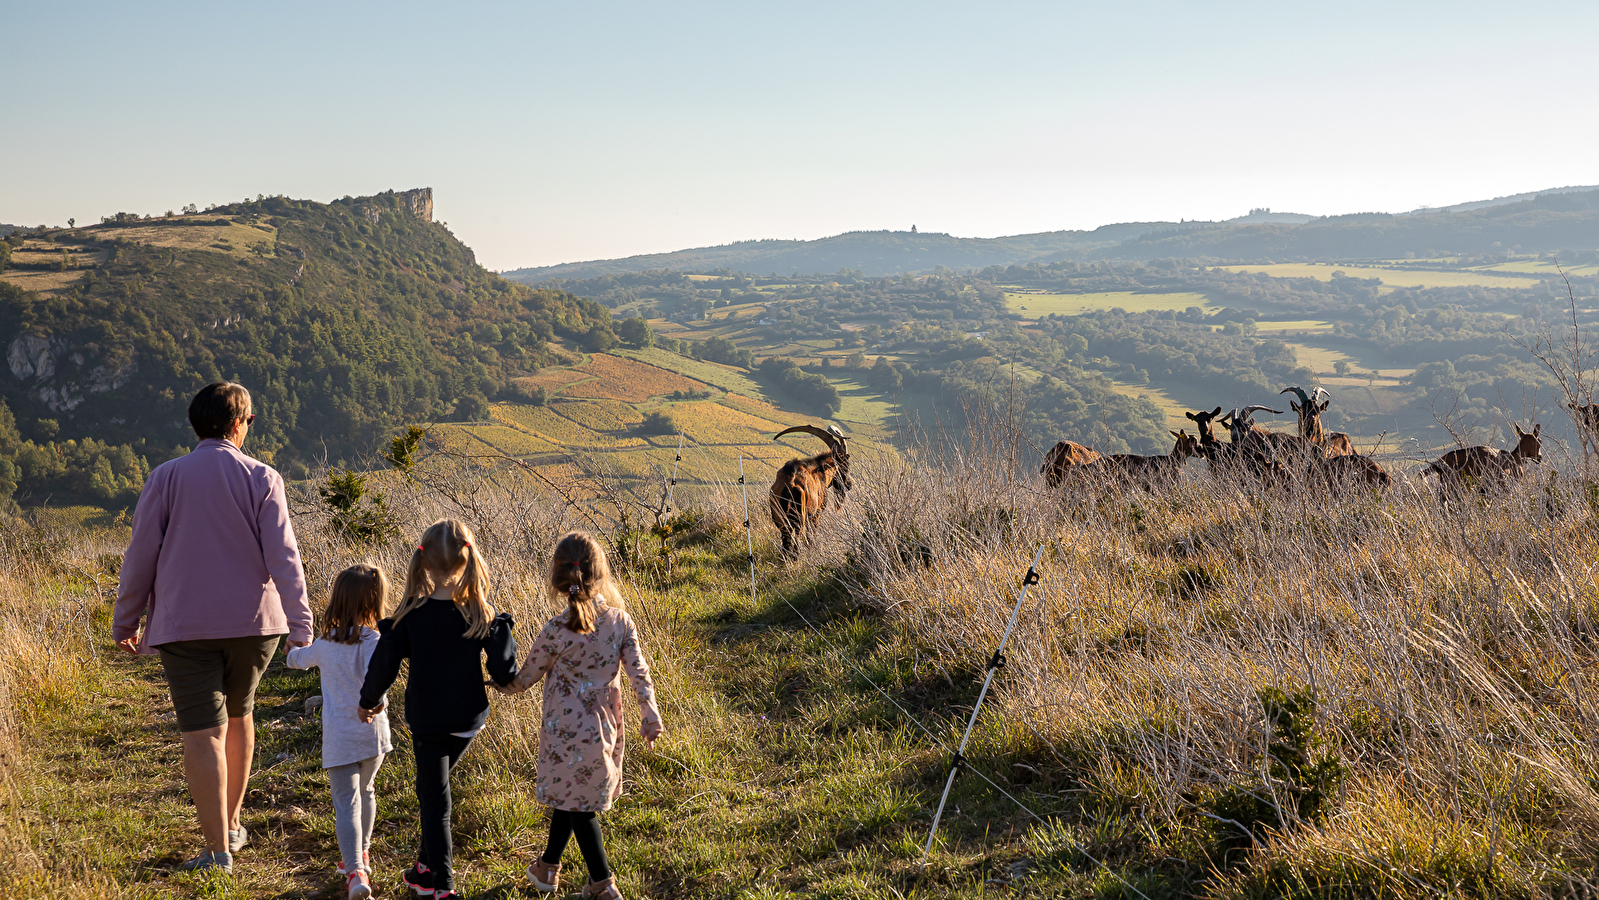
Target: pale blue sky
(559, 132)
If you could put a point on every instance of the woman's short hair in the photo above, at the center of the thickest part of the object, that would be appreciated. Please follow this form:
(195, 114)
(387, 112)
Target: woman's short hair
(213, 411)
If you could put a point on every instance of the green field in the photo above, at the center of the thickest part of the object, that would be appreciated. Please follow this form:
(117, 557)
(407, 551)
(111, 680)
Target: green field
(1391, 278)
(1292, 325)
(1540, 267)
(1039, 305)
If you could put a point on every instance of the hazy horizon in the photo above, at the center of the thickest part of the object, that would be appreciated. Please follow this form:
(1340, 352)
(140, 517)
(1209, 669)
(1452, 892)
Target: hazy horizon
(554, 134)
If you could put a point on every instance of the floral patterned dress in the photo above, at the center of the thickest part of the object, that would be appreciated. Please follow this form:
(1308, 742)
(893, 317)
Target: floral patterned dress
(582, 741)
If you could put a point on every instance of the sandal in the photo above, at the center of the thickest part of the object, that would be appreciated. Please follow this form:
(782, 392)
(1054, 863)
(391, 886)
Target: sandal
(545, 876)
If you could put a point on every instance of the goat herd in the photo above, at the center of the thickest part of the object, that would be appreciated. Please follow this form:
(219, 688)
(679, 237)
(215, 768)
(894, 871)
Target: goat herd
(1313, 459)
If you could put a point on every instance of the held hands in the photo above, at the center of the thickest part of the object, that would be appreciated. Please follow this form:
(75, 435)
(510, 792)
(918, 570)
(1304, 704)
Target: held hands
(367, 715)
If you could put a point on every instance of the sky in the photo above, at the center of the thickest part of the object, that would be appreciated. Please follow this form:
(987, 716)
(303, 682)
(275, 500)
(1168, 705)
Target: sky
(559, 132)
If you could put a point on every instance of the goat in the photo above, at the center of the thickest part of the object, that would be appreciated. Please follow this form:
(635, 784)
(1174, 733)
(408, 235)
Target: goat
(1587, 416)
(1232, 457)
(799, 493)
(1489, 464)
(1332, 443)
(1272, 444)
(1150, 472)
(1336, 472)
(1063, 456)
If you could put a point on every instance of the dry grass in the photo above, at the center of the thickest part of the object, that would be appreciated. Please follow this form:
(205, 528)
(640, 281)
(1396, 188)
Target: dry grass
(1440, 655)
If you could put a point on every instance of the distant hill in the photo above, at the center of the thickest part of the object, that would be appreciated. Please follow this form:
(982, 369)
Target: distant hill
(345, 319)
(867, 252)
(1549, 222)
(1543, 221)
(1499, 201)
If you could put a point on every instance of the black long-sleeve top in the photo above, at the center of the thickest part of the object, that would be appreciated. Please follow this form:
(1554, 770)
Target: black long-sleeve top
(444, 693)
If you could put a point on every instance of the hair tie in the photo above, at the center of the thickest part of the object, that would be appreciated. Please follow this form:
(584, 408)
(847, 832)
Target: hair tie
(419, 548)
(466, 543)
(575, 588)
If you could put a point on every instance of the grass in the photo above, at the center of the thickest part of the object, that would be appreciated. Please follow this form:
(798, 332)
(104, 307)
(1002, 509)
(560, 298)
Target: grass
(1435, 679)
(1541, 267)
(1299, 325)
(234, 238)
(1391, 278)
(1040, 305)
(1438, 660)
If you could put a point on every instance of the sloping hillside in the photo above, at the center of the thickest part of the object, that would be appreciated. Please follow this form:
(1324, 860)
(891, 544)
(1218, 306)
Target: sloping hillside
(345, 319)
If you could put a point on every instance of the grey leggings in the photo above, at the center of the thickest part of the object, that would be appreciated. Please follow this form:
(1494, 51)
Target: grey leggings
(354, 809)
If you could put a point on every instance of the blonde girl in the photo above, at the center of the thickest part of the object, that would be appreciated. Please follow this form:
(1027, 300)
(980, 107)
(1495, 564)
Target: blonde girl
(581, 654)
(352, 750)
(447, 628)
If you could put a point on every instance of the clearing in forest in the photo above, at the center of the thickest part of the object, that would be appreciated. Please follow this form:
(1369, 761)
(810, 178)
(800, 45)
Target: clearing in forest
(1039, 305)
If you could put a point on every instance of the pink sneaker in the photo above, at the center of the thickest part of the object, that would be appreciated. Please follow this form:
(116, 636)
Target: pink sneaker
(366, 863)
(360, 887)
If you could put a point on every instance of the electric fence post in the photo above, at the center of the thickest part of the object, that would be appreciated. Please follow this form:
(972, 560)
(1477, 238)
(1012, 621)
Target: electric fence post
(671, 486)
(749, 539)
(995, 663)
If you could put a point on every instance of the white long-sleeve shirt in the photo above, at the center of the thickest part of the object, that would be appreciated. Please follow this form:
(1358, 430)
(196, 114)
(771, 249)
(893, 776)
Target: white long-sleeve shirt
(345, 738)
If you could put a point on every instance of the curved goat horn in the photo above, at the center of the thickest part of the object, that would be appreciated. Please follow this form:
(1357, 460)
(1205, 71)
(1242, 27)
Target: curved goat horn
(1319, 392)
(1251, 410)
(835, 440)
(1304, 398)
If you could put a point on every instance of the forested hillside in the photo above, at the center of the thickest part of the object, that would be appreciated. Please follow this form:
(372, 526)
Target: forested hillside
(345, 319)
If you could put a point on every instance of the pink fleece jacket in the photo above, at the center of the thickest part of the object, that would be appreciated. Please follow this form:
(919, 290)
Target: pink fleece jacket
(213, 554)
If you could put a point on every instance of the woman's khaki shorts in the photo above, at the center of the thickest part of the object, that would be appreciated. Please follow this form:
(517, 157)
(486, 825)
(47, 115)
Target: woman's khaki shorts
(214, 680)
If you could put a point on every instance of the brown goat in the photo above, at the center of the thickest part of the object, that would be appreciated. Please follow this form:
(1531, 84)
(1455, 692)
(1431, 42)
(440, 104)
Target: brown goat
(1587, 416)
(1063, 456)
(799, 493)
(1250, 437)
(1490, 464)
(1231, 459)
(1150, 472)
(1342, 471)
(1332, 443)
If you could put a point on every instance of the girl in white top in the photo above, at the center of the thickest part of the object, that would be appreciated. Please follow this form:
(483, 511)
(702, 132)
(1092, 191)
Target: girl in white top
(352, 750)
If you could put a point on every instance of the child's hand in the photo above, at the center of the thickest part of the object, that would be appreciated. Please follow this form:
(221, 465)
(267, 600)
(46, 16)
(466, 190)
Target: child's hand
(652, 729)
(367, 715)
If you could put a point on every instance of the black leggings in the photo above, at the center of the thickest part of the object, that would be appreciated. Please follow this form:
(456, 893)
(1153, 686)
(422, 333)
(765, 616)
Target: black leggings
(586, 825)
(436, 756)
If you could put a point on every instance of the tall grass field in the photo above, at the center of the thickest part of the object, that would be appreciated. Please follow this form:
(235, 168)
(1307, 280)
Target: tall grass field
(1220, 691)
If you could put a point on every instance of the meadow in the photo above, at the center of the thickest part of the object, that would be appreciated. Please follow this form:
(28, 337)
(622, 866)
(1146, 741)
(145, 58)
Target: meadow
(1215, 692)
(1390, 277)
(1038, 305)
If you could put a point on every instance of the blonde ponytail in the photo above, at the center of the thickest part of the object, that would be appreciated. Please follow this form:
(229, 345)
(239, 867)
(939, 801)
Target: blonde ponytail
(446, 548)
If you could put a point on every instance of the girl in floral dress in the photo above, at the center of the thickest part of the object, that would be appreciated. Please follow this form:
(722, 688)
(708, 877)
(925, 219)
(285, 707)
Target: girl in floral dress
(580, 654)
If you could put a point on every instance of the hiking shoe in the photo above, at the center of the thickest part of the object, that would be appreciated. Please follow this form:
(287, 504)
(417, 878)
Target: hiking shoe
(237, 839)
(418, 878)
(546, 877)
(366, 865)
(602, 890)
(209, 861)
(360, 887)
